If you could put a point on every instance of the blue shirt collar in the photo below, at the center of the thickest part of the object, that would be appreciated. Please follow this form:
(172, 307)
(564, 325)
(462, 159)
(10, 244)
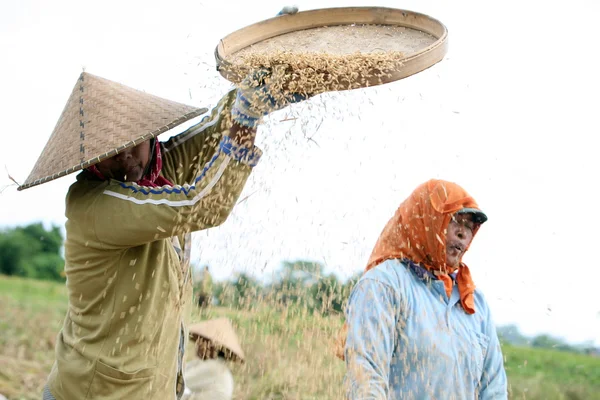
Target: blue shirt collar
(421, 272)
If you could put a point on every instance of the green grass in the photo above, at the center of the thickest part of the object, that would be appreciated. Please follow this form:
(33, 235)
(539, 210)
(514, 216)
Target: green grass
(289, 353)
(552, 374)
(31, 313)
(34, 293)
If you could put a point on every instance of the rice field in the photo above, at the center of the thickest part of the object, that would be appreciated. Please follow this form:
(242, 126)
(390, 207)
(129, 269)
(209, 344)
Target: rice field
(289, 353)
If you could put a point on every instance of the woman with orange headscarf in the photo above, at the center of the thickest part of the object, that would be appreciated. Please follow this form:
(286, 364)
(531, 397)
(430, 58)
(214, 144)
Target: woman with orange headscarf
(416, 326)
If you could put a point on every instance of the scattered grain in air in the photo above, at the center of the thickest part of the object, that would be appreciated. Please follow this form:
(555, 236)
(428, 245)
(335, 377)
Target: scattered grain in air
(133, 277)
(439, 239)
(123, 314)
(124, 299)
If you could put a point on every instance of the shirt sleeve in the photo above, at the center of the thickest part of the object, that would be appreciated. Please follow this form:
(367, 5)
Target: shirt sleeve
(127, 215)
(372, 316)
(186, 154)
(493, 383)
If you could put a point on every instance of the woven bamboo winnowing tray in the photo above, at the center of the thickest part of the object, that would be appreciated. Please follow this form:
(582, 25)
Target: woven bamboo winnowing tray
(366, 35)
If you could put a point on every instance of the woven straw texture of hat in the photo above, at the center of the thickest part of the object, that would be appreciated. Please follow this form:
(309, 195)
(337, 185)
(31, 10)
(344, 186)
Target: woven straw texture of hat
(221, 333)
(101, 119)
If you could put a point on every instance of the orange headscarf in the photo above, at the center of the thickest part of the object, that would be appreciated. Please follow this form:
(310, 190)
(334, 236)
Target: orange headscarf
(417, 231)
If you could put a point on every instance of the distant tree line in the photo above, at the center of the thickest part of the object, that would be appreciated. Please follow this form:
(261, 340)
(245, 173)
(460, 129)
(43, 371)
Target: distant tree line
(303, 284)
(297, 284)
(510, 334)
(32, 252)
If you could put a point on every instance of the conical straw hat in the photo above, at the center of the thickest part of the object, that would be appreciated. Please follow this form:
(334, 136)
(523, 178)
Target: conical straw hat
(221, 334)
(102, 118)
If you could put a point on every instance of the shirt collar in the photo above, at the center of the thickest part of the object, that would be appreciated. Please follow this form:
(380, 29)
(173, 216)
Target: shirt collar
(421, 272)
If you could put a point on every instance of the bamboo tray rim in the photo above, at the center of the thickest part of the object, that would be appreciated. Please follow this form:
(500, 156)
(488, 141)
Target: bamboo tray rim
(336, 16)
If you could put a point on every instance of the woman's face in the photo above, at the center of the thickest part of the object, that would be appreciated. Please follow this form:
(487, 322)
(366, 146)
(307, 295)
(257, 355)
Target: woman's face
(127, 166)
(458, 238)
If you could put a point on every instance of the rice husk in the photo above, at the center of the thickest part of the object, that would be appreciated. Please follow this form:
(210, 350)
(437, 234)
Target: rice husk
(311, 73)
(318, 60)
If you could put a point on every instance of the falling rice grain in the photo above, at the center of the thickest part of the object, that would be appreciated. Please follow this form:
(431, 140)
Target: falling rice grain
(318, 60)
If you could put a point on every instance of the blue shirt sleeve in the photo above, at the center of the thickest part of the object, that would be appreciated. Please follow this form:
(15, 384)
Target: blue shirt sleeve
(372, 316)
(493, 384)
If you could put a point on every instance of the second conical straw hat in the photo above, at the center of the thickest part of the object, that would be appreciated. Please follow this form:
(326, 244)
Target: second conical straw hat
(221, 334)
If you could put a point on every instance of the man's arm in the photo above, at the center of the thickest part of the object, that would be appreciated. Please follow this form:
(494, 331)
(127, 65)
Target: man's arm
(242, 135)
(372, 319)
(188, 153)
(126, 214)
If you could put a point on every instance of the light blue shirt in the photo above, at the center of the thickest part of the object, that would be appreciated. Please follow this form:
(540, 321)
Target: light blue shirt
(407, 340)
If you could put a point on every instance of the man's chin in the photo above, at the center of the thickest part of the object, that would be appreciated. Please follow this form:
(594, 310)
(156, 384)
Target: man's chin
(132, 176)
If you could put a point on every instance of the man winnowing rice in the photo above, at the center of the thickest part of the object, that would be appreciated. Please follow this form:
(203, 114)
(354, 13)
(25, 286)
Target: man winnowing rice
(130, 214)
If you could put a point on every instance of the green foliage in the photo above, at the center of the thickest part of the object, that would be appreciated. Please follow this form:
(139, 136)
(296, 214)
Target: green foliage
(543, 373)
(32, 251)
(300, 285)
(510, 334)
(550, 342)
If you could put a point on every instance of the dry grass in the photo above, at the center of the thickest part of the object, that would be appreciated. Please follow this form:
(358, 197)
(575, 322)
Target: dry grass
(31, 314)
(289, 353)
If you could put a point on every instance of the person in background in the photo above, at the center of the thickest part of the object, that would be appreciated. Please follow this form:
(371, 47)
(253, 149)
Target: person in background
(208, 375)
(205, 289)
(417, 328)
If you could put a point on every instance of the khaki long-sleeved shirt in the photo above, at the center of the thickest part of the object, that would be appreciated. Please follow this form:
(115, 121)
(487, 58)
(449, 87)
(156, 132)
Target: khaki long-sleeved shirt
(127, 266)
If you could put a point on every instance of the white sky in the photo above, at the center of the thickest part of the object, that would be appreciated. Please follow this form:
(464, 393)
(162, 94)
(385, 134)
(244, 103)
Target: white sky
(510, 115)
